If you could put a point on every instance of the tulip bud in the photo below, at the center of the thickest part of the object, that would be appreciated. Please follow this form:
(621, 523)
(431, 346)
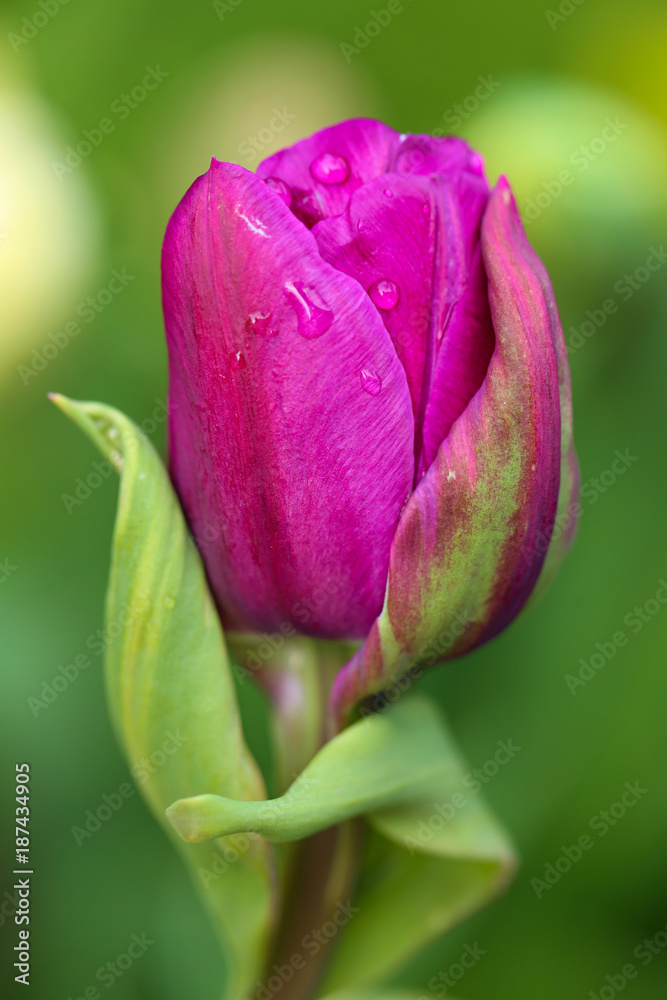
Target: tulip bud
(370, 415)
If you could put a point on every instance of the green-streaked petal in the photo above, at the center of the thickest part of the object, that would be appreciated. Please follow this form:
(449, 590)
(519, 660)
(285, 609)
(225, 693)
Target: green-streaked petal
(472, 539)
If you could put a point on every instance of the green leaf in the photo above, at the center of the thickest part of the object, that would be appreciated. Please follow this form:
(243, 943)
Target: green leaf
(381, 760)
(431, 863)
(436, 853)
(170, 688)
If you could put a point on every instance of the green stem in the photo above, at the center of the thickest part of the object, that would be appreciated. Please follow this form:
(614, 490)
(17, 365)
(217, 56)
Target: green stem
(318, 870)
(325, 867)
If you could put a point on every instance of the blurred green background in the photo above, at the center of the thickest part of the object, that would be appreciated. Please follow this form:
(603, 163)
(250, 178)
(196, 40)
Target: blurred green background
(568, 100)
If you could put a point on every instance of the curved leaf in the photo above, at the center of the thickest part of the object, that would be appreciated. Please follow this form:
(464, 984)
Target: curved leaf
(435, 854)
(170, 688)
(379, 761)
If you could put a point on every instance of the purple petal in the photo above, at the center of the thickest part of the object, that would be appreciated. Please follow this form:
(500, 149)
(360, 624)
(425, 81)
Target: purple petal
(323, 171)
(465, 331)
(291, 471)
(463, 358)
(429, 155)
(387, 240)
(466, 553)
(421, 235)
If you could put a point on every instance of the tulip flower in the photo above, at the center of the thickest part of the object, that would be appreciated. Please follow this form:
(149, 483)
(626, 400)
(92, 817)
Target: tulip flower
(370, 417)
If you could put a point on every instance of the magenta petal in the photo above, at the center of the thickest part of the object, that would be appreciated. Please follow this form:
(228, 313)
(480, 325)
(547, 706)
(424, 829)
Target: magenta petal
(418, 238)
(468, 548)
(387, 240)
(323, 171)
(463, 359)
(466, 337)
(447, 156)
(290, 420)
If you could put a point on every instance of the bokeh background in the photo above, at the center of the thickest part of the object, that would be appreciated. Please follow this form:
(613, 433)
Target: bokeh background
(577, 86)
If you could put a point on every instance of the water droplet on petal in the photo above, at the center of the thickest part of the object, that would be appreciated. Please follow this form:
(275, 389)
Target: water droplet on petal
(306, 205)
(260, 323)
(312, 319)
(426, 207)
(370, 382)
(361, 225)
(236, 360)
(330, 168)
(388, 193)
(280, 188)
(384, 294)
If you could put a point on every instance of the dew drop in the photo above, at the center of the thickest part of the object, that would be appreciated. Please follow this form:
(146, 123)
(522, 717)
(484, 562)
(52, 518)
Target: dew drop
(370, 382)
(361, 225)
(384, 294)
(330, 168)
(312, 319)
(169, 603)
(280, 188)
(388, 193)
(236, 360)
(307, 206)
(260, 323)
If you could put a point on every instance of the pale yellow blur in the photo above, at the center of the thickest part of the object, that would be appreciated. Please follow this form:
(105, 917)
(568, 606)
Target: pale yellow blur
(253, 99)
(48, 227)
